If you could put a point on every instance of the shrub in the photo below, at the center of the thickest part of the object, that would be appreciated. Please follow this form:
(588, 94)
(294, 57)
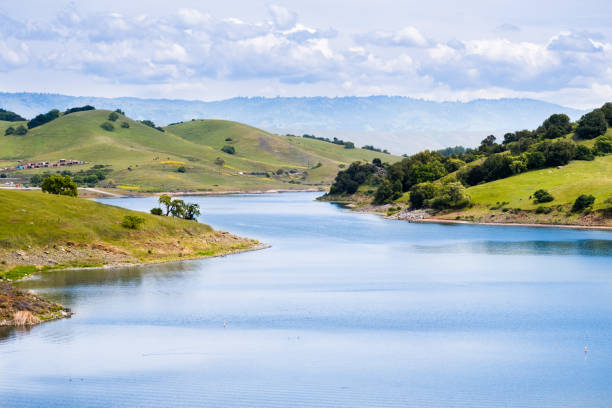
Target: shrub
(543, 210)
(150, 123)
(119, 111)
(450, 195)
(57, 184)
(9, 131)
(113, 116)
(542, 196)
(21, 130)
(349, 145)
(107, 126)
(583, 153)
(125, 125)
(157, 211)
(279, 172)
(181, 169)
(228, 149)
(132, 221)
(228, 139)
(583, 202)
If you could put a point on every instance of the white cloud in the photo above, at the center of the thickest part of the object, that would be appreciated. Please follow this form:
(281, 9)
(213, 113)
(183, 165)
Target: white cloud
(282, 53)
(406, 37)
(282, 17)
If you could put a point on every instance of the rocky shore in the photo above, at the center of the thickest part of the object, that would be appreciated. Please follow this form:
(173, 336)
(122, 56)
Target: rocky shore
(19, 308)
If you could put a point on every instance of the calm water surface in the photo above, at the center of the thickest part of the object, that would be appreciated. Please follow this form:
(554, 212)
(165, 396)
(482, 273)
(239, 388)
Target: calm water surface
(344, 309)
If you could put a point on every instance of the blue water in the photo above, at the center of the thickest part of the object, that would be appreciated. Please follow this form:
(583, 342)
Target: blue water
(344, 309)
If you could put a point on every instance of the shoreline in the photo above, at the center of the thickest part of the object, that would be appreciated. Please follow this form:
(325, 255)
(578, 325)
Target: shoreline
(512, 224)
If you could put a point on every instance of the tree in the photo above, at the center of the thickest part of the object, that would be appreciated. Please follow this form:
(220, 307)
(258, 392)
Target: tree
(582, 152)
(178, 208)
(607, 111)
(113, 116)
(387, 192)
(542, 196)
(107, 126)
(57, 184)
(157, 211)
(119, 111)
(228, 149)
(192, 211)
(377, 162)
(125, 125)
(449, 195)
(583, 202)
(36, 179)
(9, 131)
(181, 169)
(420, 193)
(166, 201)
(132, 221)
(150, 123)
(349, 145)
(555, 126)
(592, 124)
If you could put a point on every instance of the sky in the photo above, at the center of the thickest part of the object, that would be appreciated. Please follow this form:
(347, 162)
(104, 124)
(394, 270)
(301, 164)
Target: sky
(557, 51)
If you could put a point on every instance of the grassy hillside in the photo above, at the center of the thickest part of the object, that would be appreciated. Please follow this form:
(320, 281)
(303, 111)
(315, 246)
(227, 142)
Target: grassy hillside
(145, 159)
(47, 230)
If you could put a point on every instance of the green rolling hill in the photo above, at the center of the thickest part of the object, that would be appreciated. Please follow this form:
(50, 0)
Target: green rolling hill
(145, 159)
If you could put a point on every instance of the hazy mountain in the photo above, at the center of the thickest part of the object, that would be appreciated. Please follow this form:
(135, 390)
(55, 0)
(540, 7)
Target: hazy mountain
(399, 124)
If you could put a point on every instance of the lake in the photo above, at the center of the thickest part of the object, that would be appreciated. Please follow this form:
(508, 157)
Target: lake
(344, 309)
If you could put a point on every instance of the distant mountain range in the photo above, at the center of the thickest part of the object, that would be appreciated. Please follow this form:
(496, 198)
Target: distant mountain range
(400, 124)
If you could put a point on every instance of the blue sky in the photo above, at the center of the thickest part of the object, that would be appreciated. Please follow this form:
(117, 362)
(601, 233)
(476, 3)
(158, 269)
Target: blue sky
(441, 50)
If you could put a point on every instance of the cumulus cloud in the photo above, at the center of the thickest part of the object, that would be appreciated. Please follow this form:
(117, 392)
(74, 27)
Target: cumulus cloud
(406, 37)
(576, 42)
(193, 46)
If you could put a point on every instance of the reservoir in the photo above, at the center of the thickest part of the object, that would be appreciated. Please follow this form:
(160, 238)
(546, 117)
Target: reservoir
(344, 309)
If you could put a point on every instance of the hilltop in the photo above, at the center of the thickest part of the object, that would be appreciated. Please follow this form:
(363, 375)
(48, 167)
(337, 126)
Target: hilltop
(182, 157)
(557, 174)
(401, 123)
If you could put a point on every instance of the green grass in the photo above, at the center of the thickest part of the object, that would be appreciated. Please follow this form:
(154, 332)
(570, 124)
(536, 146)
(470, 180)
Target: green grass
(565, 184)
(137, 154)
(36, 220)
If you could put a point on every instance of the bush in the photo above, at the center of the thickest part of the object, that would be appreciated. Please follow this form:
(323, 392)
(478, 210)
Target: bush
(349, 145)
(157, 211)
(592, 124)
(59, 185)
(543, 210)
(583, 153)
(9, 131)
(228, 149)
(43, 118)
(107, 126)
(542, 196)
(119, 111)
(181, 169)
(603, 145)
(228, 139)
(583, 202)
(450, 195)
(21, 130)
(132, 221)
(125, 125)
(113, 116)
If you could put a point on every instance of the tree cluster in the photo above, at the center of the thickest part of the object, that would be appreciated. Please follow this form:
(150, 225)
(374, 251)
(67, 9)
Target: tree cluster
(19, 131)
(43, 118)
(60, 185)
(9, 116)
(176, 208)
(79, 109)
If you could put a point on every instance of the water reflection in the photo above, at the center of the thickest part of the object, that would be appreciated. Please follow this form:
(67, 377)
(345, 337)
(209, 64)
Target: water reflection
(581, 247)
